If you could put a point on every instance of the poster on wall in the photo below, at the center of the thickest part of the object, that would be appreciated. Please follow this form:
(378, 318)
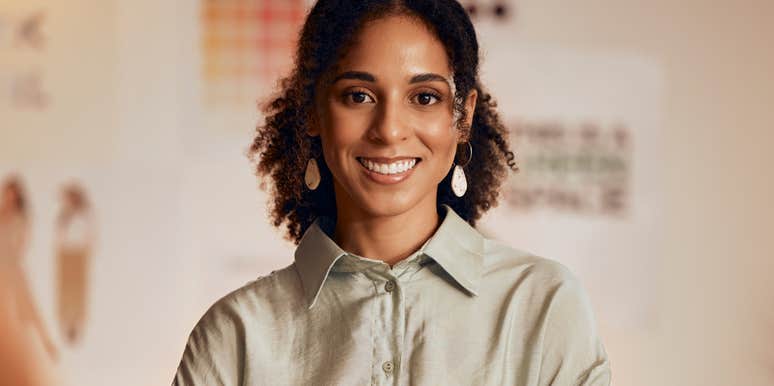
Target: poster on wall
(585, 131)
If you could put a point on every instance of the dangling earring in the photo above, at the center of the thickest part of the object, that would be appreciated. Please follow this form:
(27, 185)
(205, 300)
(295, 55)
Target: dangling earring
(459, 184)
(312, 175)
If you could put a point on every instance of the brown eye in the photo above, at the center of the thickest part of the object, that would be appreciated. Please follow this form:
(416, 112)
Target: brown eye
(426, 98)
(358, 97)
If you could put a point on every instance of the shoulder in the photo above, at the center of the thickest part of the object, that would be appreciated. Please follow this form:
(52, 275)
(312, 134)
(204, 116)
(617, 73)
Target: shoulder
(278, 292)
(504, 260)
(549, 289)
(217, 345)
(555, 302)
(543, 287)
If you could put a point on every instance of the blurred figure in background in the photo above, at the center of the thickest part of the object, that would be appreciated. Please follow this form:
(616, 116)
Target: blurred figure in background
(22, 331)
(74, 244)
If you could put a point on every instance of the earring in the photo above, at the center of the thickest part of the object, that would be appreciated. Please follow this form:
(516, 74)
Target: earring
(312, 175)
(459, 184)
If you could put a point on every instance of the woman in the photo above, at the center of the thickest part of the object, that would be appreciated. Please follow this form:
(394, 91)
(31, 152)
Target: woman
(382, 151)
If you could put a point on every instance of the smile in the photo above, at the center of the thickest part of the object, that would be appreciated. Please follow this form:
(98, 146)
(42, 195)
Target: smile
(390, 172)
(397, 167)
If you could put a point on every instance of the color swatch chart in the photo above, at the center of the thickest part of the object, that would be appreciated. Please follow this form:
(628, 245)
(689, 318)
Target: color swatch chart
(247, 45)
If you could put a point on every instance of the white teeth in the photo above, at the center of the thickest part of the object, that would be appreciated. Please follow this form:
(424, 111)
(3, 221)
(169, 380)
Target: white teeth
(393, 168)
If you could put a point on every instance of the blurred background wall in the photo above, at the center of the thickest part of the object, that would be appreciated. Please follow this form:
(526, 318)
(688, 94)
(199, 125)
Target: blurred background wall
(147, 108)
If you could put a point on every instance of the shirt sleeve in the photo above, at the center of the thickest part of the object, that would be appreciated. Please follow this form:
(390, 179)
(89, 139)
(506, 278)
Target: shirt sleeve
(214, 353)
(573, 353)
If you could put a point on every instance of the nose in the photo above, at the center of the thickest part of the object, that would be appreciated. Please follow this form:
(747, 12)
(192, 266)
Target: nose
(389, 125)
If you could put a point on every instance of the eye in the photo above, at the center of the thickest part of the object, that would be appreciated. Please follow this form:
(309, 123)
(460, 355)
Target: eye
(358, 97)
(426, 98)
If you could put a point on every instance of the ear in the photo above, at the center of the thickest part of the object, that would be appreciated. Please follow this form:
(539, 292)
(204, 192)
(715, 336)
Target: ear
(470, 107)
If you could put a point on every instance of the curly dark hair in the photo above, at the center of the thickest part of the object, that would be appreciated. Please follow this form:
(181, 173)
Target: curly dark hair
(282, 146)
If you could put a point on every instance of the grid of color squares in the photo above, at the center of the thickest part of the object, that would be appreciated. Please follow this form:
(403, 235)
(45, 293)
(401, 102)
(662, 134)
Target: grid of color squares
(247, 45)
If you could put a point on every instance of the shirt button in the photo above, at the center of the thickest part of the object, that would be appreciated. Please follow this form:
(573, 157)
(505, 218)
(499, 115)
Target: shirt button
(387, 366)
(389, 286)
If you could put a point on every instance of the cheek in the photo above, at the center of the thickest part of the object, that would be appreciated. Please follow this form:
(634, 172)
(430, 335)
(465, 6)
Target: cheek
(342, 130)
(439, 135)
(342, 126)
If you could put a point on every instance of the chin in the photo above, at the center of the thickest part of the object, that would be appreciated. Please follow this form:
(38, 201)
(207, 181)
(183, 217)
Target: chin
(391, 206)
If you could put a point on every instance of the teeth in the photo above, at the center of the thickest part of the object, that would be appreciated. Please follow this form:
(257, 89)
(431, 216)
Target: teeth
(393, 168)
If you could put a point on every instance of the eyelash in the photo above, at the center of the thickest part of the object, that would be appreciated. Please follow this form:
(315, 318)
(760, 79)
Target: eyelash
(430, 93)
(350, 93)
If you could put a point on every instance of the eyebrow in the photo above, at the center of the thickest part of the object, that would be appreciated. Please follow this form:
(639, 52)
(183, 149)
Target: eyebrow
(364, 76)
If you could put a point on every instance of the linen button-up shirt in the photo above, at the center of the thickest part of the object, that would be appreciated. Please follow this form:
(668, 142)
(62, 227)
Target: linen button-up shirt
(461, 310)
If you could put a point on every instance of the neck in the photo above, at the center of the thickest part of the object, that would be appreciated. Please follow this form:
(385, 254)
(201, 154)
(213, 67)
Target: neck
(390, 238)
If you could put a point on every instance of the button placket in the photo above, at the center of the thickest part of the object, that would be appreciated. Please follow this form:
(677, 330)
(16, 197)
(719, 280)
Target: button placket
(388, 326)
(389, 366)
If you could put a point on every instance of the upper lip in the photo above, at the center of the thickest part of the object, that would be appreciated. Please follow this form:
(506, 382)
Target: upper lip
(388, 160)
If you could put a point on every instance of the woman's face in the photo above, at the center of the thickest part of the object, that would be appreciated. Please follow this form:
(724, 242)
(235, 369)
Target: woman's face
(388, 106)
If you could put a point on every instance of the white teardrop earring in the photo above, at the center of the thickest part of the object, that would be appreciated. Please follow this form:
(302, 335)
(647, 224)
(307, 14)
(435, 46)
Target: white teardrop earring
(312, 175)
(459, 184)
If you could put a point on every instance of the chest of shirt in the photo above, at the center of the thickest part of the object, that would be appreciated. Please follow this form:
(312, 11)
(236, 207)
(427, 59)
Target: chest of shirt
(377, 329)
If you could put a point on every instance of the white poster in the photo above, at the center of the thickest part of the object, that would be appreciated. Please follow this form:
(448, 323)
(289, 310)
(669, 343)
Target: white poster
(585, 130)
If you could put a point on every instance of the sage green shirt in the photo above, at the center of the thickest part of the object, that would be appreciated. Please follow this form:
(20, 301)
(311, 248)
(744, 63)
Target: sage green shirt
(462, 310)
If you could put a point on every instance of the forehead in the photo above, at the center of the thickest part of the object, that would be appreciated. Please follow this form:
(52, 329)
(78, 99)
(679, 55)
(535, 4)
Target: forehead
(396, 46)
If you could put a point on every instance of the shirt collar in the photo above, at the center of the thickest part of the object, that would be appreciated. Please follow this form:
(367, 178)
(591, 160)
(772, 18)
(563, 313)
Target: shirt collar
(456, 246)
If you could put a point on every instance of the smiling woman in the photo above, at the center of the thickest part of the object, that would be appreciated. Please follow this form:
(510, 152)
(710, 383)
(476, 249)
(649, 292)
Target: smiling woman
(392, 283)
